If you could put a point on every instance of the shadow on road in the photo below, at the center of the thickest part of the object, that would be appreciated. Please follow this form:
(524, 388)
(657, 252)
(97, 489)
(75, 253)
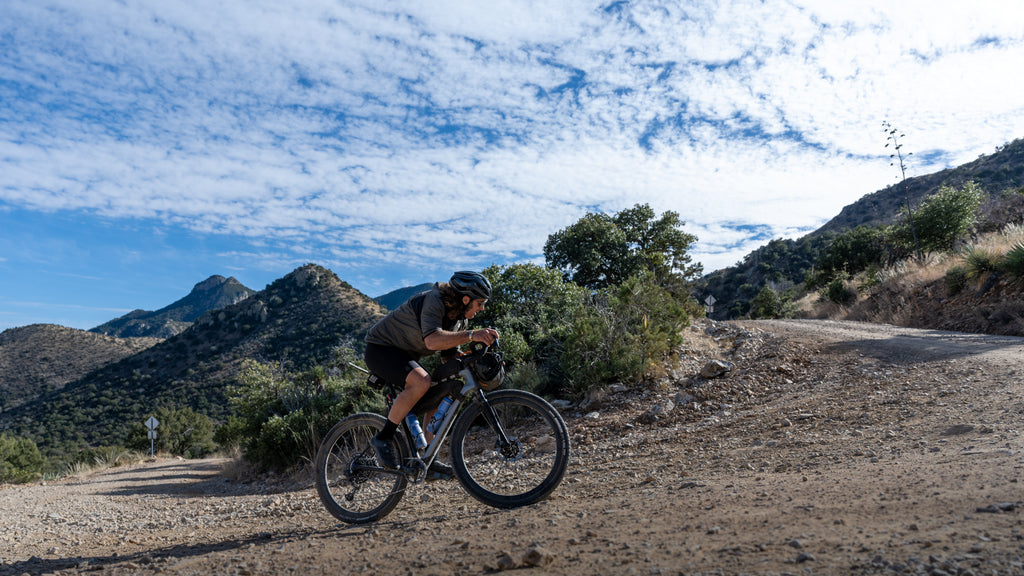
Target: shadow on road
(164, 557)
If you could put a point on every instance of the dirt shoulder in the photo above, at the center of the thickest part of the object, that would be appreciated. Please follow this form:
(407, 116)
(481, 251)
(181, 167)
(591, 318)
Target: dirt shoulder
(829, 447)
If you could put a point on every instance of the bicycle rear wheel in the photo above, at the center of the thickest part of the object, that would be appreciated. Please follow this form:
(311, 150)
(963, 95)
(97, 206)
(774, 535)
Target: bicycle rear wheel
(521, 472)
(350, 482)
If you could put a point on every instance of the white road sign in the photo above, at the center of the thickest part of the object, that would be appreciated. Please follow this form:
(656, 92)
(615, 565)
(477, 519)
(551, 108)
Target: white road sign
(152, 423)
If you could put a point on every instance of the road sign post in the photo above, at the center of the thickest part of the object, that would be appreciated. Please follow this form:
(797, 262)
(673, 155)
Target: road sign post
(152, 423)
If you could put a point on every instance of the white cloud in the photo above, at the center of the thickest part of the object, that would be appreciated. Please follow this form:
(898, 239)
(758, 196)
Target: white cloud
(404, 131)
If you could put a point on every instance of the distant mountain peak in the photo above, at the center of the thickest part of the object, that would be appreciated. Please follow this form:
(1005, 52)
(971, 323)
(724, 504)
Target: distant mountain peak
(212, 282)
(211, 294)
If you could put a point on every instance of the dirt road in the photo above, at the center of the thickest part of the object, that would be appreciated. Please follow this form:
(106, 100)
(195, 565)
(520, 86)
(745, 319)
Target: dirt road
(828, 448)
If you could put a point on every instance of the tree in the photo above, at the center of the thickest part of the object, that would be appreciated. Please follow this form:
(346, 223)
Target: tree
(599, 250)
(767, 304)
(593, 252)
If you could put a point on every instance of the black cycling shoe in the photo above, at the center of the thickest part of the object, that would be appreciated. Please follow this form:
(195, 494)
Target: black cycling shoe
(440, 471)
(384, 452)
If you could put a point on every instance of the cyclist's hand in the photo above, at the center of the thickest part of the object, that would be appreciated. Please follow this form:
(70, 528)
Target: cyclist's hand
(486, 335)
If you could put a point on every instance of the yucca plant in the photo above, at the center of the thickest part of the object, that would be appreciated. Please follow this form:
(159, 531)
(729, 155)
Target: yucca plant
(979, 263)
(1012, 264)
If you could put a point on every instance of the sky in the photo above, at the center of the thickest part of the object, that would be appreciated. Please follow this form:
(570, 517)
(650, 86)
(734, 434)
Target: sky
(145, 146)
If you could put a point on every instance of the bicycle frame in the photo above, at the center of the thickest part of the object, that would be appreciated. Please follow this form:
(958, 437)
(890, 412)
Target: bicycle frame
(429, 454)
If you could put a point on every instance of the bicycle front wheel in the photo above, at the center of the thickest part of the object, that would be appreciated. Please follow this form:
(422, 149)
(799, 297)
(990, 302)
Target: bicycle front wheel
(521, 471)
(351, 484)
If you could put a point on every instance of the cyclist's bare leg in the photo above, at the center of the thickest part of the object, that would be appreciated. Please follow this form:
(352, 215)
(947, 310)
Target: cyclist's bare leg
(417, 382)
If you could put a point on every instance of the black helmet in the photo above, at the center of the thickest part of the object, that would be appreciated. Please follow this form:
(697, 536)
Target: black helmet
(472, 284)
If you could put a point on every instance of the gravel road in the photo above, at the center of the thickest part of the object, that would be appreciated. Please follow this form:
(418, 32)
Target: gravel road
(825, 448)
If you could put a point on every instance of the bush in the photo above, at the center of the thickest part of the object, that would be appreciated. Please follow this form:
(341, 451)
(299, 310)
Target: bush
(281, 418)
(1012, 264)
(839, 292)
(767, 304)
(533, 308)
(20, 460)
(850, 252)
(945, 217)
(623, 333)
(956, 279)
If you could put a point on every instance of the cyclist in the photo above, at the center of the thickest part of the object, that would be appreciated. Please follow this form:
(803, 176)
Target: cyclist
(429, 322)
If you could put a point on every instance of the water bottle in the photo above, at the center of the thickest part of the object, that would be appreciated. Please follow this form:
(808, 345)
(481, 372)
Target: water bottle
(435, 423)
(417, 432)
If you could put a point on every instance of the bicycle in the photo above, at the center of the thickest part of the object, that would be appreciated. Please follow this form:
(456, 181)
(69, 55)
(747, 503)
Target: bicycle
(509, 448)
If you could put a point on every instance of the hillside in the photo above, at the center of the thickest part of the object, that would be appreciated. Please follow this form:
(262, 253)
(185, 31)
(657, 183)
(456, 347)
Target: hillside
(396, 298)
(210, 294)
(43, 358)
(296, 321)
(784, 263)
(995, 173)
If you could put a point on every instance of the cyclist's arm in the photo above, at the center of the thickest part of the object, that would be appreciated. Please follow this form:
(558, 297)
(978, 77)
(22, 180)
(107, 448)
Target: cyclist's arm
(445, 339)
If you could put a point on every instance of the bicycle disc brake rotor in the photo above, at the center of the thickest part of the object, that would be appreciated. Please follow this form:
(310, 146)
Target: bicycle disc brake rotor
(509, 452)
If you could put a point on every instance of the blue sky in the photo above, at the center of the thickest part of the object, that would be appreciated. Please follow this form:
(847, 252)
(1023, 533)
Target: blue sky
(146, 146)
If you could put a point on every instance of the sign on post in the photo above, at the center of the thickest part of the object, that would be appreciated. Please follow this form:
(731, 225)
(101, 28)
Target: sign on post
(152, 423)
(710, 301)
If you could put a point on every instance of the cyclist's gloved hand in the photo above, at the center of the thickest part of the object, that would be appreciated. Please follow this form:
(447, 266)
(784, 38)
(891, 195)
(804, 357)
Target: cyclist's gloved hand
(487, 336)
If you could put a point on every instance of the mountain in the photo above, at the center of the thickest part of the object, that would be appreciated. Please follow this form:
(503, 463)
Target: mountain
(784, 263)
(994, 173)
(42, 358)
(296, 321)
(396, 298)
(210, 294)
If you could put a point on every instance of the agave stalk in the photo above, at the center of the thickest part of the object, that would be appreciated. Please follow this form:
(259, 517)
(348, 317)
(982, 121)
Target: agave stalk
(897, 156)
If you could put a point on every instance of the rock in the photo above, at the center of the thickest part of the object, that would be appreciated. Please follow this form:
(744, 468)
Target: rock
(957, 430)
(506, 562)
(538, 557)
(592, 399)
(682, 398)
(715, 369)
(997, 508)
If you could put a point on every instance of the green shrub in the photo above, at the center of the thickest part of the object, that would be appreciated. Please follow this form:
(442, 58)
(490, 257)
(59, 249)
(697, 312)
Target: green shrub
(956, 279)
(1012, 264)
(849, 252)
(20, 460)
(839, 292)
(281, 418)
(944, 217)
(767, 304)
(533, 308)
(625, 332)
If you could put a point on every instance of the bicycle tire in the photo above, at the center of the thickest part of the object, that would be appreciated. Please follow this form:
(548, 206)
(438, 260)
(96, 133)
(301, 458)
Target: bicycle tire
(525, 473)
(349, 481)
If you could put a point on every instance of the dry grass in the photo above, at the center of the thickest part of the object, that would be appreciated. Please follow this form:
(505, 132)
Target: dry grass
(914, 293)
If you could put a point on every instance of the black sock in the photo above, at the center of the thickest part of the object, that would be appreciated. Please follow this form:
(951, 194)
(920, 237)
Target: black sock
(388, 432)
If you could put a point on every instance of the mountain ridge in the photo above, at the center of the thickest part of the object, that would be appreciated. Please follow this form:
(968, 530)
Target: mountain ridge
(296, 321)
(213, 293)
